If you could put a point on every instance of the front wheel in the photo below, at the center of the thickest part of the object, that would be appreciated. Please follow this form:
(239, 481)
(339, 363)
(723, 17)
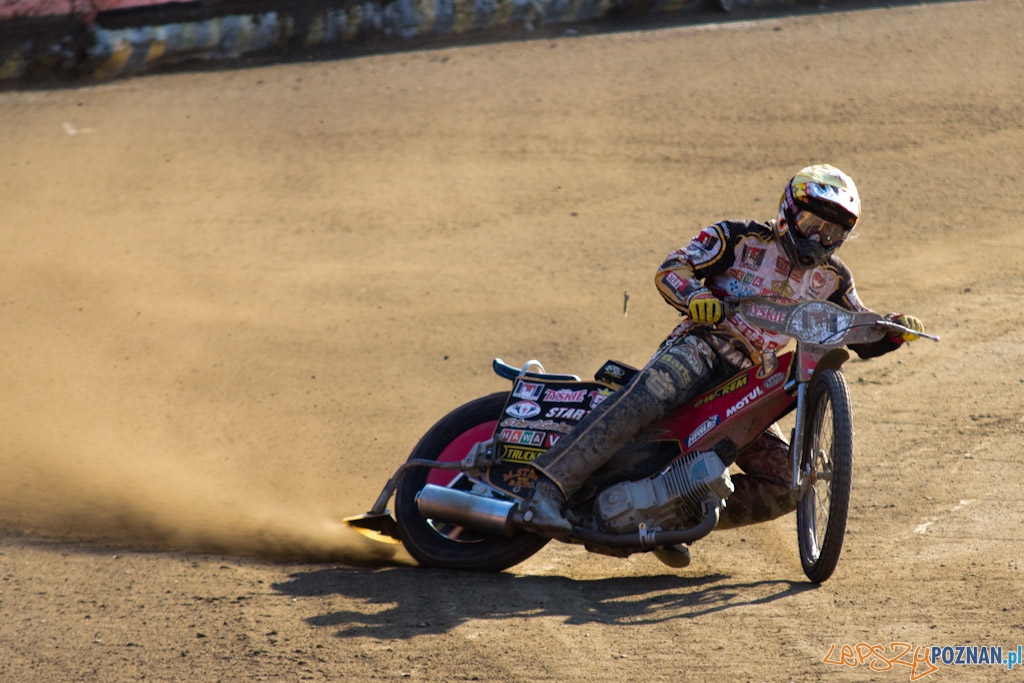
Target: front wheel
(827, 461)
(438, 544)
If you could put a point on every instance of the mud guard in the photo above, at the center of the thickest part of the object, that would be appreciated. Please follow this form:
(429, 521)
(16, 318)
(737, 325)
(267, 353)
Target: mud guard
(832, 360)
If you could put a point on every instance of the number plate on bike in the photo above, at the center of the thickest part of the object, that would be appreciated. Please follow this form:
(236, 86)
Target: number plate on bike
(538, 413)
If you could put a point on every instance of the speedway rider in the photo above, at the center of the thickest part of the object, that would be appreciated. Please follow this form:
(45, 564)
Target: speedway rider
(792, 257)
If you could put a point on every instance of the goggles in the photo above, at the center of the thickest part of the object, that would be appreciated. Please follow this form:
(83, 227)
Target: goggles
(829, 233)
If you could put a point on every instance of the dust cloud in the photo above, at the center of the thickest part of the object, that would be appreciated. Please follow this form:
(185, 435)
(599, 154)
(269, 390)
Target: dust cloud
(164, 383)
(163, 506)
(154, 441)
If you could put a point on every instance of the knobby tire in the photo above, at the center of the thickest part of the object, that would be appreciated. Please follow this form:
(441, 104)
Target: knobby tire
(828, 451)
(438, 545)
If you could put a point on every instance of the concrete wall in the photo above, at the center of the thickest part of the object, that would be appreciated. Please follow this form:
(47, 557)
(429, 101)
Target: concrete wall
(17, 9)
(104, 39)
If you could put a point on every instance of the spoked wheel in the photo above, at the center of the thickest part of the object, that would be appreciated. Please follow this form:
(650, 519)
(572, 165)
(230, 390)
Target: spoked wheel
(438, 544)
(827, 460)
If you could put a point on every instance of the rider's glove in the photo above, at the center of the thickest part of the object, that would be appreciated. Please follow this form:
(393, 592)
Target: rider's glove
(705, 307)
(907, 321)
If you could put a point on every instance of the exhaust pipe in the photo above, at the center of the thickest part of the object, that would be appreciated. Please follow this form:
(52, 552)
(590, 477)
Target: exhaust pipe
(488, 515)
(493, 516)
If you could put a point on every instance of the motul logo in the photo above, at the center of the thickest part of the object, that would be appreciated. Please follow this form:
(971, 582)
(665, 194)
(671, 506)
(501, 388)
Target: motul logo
(744, 402)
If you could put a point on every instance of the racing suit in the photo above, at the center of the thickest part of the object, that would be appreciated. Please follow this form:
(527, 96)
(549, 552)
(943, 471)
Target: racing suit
(730, 258)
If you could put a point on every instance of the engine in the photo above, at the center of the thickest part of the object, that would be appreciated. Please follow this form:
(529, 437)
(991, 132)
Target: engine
(671, 499)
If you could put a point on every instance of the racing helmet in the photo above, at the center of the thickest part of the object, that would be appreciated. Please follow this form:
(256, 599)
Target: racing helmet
(818, 210)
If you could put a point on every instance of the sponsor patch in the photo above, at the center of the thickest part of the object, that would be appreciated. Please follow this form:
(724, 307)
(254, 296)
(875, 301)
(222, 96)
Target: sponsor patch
(817, 281)
(530, 391)
(564, 413)
(753, 256)
(769, 313)
(688, 354)
(521, 478)
(519, 454)
(675, 282)
(598, 396)
(670, 362)
(702, 429)
(707, 241)
(744, 402)
(544, 425)
(522, 437)
(523, 410)
(783, 288)
(732, 386)
(565, 395)
(659, 383)
(613, 370)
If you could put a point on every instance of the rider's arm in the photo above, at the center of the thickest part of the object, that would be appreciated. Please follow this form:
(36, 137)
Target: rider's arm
(846, 296)
(878, 348)
(681, 277)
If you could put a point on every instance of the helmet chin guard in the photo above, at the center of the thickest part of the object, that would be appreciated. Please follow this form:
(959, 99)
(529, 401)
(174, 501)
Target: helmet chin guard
(803, 253)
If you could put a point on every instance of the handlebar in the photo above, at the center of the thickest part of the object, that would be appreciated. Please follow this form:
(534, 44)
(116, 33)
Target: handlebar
(814, 321)
(890, 325)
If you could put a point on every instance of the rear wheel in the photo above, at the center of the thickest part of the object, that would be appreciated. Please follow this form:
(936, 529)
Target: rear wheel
(438, 544)
(827, 460)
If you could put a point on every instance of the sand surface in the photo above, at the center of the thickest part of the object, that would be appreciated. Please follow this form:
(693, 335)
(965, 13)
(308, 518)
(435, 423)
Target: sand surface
(232, 301)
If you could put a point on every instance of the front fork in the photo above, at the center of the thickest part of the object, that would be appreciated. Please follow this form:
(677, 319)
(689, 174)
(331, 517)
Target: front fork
(809, 361)
(799, 482)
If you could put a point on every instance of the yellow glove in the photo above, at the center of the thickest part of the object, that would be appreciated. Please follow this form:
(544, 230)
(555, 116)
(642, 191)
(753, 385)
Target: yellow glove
(907, 321)
(705, 308)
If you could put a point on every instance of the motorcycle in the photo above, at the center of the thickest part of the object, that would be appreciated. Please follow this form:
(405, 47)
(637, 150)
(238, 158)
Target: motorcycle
(457, 497)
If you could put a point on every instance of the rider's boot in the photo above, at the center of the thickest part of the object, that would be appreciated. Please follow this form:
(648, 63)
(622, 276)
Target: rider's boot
(543, 509)
(675, 375)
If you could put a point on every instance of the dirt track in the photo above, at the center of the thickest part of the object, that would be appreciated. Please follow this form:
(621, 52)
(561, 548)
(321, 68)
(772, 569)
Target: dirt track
(233, 301)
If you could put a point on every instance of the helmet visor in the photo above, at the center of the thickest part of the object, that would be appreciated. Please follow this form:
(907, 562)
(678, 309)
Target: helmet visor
(829, 233)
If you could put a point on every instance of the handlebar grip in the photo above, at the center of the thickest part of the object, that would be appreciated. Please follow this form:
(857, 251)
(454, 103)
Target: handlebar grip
(730, 306)
(890, 325)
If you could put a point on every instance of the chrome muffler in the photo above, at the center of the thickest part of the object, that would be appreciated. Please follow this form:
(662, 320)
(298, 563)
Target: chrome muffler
(488, 515)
